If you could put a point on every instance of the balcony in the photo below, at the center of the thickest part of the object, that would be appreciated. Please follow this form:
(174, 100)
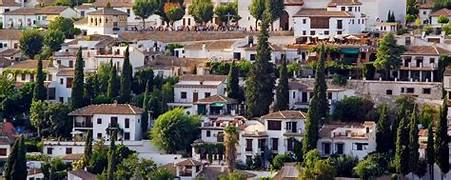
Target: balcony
(83, 124)
(293, 132)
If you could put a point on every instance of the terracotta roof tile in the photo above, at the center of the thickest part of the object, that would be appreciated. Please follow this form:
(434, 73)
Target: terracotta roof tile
(306, 12)
(29, 64)
(65, 72)
(113, 3)
(210, 45)
(10, 34)
(294, 2)
(335, 3)
(295, 85)
(442, 12)
(216, 98)
(107, 109)
(203, 78)
(167, 62)
(85, 175)
(425, 50)
(108, 11)
(8, 3)
(285, 115)
(72, 157)
(51, 10)
(9, 52)
(189, 162)
(174, 36)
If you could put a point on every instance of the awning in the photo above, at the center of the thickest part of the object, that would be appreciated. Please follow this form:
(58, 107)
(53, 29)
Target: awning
(217, 104)
(350, 51)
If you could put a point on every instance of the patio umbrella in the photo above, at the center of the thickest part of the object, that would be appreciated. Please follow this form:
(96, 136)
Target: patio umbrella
(352, 37)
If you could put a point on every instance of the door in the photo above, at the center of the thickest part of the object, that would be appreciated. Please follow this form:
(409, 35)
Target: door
(195, 96)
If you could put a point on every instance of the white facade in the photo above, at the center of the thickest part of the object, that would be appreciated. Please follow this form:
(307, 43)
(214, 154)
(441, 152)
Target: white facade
(34, 17)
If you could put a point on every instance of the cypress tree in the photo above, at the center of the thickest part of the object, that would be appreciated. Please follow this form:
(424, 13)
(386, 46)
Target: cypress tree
(402, 149)
(396, 123)
(233, 87)
(78, 87)
(260, 83)
(320, 88)
(441, 140)
(113, 84)
(389, 16)
(282, 91)
(111, 156)
(16, 167)
(88, 148)
(430, 152)
(91, 88)
(318, 107)
(126, 78)
(413, 140)
(412, 7)
(40, 92)
(145, 115)
(383, 131)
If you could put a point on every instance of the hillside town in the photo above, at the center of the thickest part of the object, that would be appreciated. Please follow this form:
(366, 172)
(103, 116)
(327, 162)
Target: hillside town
(225, 89)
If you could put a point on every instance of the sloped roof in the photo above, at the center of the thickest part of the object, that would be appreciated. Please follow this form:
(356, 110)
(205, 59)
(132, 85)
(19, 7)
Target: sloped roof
(108, 11)
(10, 34)
(216, 98)
(189, 162)
(85, 175)
(311, 12)
(425, 50)
(8, 3)
(121, 109)
(442, 12)
(285, 115)
(210, 45)
(294, 2)
(113, 3)
(50, 10)
(335, 3)
(209, 77)
(29, 64)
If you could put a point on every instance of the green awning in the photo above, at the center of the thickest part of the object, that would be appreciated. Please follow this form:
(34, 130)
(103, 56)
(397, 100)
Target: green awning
(350, 51)
(217, 104)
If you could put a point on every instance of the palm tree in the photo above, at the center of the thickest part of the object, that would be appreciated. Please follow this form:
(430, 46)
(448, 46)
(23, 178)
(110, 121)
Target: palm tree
(230, 141)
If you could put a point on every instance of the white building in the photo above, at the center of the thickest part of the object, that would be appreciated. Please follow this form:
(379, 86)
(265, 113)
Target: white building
(35, 16)
(420, 63)
(106, 21)
(425, 11)
(8, 5)
(442, 12)
(344, 138)
(9, 39)
(191, 88)
(99, 118)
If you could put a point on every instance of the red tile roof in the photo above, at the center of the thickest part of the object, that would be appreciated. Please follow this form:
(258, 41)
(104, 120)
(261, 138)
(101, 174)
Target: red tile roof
(335, 3)
(120, 109)
(203, 78)
(306, 12)
(442, 12)
(50, 10)
(189, 162)
(10, 34)
(285, 115)
(216, 98)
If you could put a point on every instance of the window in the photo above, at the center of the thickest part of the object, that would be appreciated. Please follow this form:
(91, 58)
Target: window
(252, 58)
(326, 32)
(339, 24)
(99, 135)
(61, 99)
(275, 125)
(275, 144)
(3, 152)
(291, 127)
(113, 121)
(49, 150)
(68, 150)
(207, 94)
(128, 12)
(69, 82)
(350, 9)
(410, 90)
(402, 90)
(23, 77)
(326, 148)
(127, 123)
(183, 95)
(340, 148)
(339, 32)
(361, 146)
(329, 95)
(51, 93)
(343, 8)
(31, 77)
(127, 136)
(304, 32)
(432, 60)
(49, 77)
(208, 133)
(294, 94)
(290, 144)
(389, 92)
(312, 33)
(304, 21)
(426, 90)
(262, 144)
(248, 144)
(71, 64)
(99, 121)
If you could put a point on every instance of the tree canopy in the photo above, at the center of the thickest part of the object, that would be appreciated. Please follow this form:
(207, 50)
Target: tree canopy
(388, 55)
(201, 10)
(31, 42)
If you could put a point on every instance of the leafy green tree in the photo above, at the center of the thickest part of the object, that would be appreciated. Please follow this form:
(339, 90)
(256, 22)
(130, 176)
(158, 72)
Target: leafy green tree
(142, 77)
(91, 88)
(133, 166)
(388, 55)
(414, 156)
(103, 76)
(144, 9)
(430, 152)
(201, 10)
(54, 169)
(316, 168)
(78, 83)
(294, 68)
(368, 168)
(160, 174)
(99, 160)
(233, 87)
(113, 83)
(227, 12)
(279, 160)
(257, 9)
(344, 164)
(439, 4)
(282, 89)
(112, 157)
(441, 140)
(260, 82)
(175, 14)
(174, 130)
(230, 142)
(442, 19)
(38, 115)
(16, 167)
(31, 42)
(59, 123)
(384, 131)
(352, 108)
(53, 39)
(402, 148)
(126, 79)
(64, 25)
(233, 176)
(412, 7)
(277, 8)
(40, 92)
